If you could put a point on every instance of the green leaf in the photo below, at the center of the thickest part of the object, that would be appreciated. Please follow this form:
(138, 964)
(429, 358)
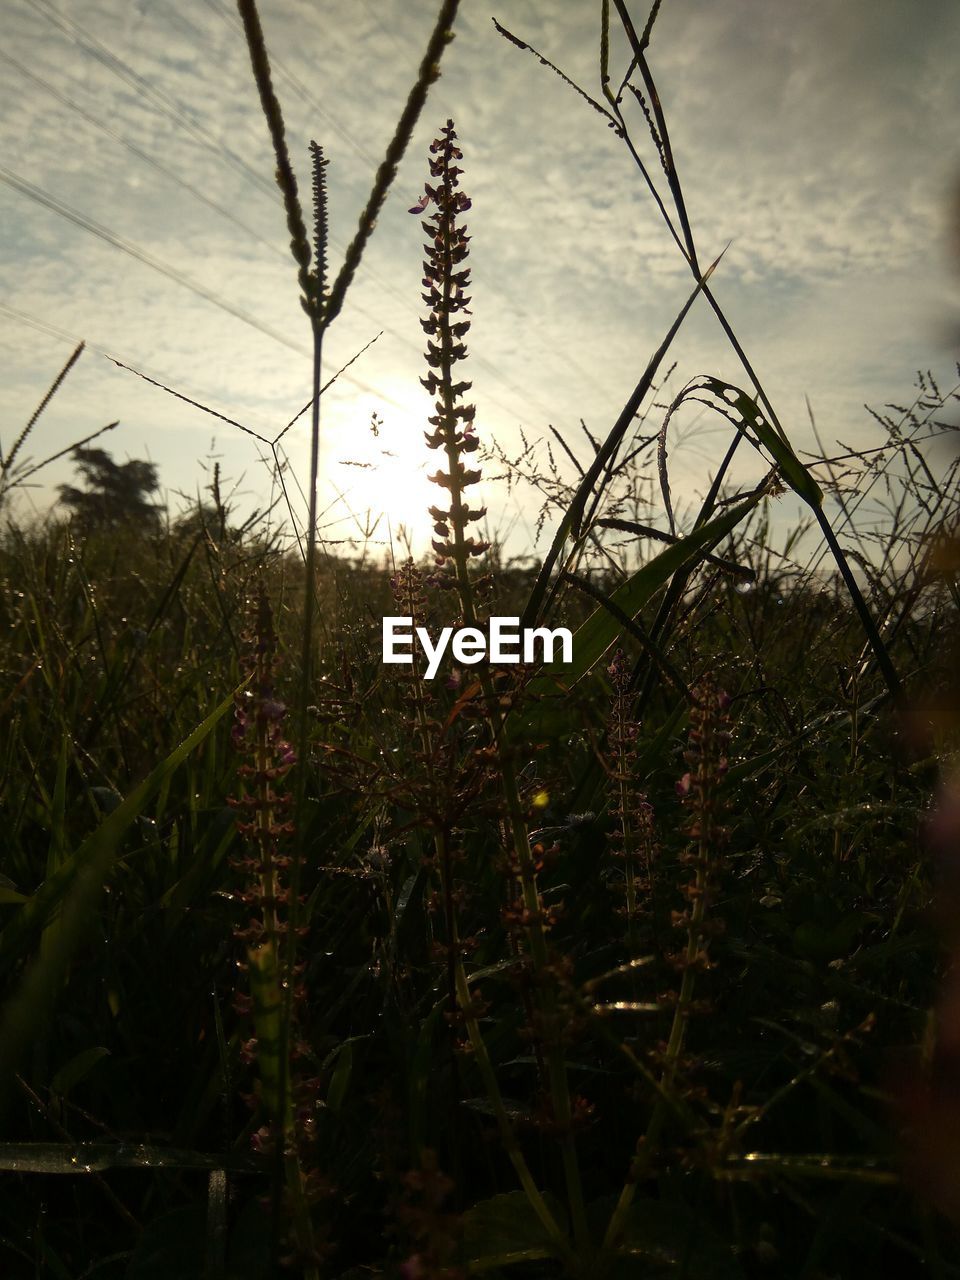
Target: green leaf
(172, 1245)
(601, 630)
(75, 888)
(57, 850)
(341, 1077)
(94, 1157)
(77, 1069)
(570, 525)
(791, 468)
(674, 1240)
(88, 866)
(503, 1230)
(816, 941)
(250, 1243)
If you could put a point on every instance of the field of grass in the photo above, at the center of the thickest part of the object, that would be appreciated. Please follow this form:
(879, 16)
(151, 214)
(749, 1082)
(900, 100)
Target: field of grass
(630, 966)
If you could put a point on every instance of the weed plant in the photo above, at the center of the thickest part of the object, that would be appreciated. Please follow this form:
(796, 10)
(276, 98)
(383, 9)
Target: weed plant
(620, 967)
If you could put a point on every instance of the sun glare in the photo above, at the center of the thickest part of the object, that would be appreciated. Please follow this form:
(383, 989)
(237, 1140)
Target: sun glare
(375, 486)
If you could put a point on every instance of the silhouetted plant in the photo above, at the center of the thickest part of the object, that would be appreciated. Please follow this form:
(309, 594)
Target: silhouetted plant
(439, 831)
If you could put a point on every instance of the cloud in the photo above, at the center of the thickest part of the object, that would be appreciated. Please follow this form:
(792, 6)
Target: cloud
(819, 140)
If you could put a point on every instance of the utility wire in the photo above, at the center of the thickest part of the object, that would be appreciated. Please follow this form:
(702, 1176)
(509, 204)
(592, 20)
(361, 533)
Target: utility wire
(232, 21)
(169, 107)
(143, 156)
(48, 201)
(219, 8)
(62, 335)
(175, 177)
(163, 101)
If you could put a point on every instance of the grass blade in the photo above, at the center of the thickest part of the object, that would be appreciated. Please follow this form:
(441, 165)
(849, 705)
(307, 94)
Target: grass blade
(76, 885)
(570, 524)
(592, 640)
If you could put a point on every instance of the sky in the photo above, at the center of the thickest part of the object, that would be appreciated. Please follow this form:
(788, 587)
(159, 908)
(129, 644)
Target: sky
(818, 141)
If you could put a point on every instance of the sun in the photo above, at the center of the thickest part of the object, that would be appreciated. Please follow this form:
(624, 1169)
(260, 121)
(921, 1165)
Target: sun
(375, 486)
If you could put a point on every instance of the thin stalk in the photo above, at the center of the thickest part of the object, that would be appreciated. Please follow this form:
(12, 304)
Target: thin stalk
(890, 675)
(460, 999)
(447, 300)
(507, 1136)
(647, 1146)
(536, 935)
(429, 71)
(707, 757)
(6, 463)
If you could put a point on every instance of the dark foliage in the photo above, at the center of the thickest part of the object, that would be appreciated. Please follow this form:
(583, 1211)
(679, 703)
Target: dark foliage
(115, 494)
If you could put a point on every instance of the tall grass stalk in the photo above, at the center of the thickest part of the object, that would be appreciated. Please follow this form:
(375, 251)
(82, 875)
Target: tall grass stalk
(431, 864)
(655, 119)
(321, 308)
(13, 476)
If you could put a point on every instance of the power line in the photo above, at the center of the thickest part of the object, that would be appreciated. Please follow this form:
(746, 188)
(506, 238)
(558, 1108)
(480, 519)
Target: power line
(218, 7)
(94, 48)
(144, 156)
(43, 326)
(63, 335)
(172, 175)
(297, 84)
(48, 201)
(167, 105)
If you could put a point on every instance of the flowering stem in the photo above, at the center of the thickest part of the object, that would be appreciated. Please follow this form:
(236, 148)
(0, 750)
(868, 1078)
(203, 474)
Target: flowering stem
(706, 756)
(454, 432)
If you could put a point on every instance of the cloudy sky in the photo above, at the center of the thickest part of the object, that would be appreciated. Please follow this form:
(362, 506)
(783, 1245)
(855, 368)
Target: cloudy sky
(820, 140)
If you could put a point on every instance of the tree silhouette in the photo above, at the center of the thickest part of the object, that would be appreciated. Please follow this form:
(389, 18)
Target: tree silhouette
(115, 493)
